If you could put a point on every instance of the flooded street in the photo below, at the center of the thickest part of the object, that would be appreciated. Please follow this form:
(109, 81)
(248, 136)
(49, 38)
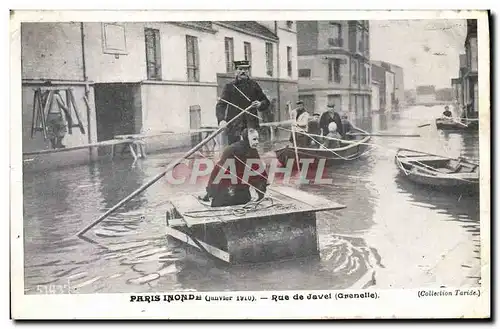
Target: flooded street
(409, 236)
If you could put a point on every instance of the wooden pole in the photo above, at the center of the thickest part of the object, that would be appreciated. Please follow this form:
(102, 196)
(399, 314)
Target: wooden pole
(171, 166)
(293, 138)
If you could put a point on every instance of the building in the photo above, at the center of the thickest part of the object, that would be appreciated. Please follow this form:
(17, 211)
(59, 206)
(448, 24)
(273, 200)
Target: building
(375, 103)
(390, 78)
(334, 66)
(469, 79)
(147, 77)
(426, 95)
(465, 86)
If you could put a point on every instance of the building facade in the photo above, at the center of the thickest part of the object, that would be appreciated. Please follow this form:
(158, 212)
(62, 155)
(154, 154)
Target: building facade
(150, 77)
(334, 66)
(390, 79)
(465, 86)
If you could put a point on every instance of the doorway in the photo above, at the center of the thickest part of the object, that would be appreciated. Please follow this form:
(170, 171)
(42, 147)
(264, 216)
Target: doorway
(118, 109)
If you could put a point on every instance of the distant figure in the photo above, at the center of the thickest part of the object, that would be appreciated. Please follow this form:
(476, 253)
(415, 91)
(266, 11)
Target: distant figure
(242, 92)
(301, 120)
(225, 193)
(447, 113)
(329, 116)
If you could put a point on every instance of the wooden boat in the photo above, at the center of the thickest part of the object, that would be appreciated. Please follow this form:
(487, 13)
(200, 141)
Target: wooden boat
(456, 125)
(282, 226)
(437, 171)
(349, 150)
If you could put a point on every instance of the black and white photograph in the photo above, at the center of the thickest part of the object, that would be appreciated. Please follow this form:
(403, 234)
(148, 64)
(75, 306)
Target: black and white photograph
(179, 166)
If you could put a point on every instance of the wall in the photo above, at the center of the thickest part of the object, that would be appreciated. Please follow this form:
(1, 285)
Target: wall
(37, 143)
(325, 34)
(307, 35)
(473, 53)
(258, 46)
(288, 38)
(165, 107)
(51, 51)
(399, 83)
(375, 97)
(389, 89)
(319, 72)
(106, 68)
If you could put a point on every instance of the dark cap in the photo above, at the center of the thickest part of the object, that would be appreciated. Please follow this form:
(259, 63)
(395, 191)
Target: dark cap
(330, 105)
(241, 64)
(299, 102)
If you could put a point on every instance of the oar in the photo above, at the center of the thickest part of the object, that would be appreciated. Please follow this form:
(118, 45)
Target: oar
(160, 175)
(294, 138)
(383, 135)
(424, 125)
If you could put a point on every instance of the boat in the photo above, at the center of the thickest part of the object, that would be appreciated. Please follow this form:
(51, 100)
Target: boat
(438, 171)
(456, 125)
(281, 226)
(350, 149)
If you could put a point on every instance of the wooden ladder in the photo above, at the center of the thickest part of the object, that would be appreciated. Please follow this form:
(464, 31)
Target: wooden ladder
(43, 100)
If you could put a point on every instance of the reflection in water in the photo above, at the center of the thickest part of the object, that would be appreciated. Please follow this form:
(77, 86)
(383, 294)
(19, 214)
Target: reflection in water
(133, 255)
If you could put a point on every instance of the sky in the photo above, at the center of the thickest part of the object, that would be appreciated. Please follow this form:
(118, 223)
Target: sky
(427, 50)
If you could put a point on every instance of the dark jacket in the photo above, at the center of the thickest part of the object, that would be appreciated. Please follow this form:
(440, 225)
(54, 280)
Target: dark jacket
(325, 120)
(226, 112)
(238, 152)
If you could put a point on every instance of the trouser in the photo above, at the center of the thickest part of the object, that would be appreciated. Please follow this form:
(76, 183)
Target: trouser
(231, 196)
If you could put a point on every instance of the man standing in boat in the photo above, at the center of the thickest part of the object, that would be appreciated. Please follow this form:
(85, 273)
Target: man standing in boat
(234, 188)
(242, 92)
(300, 119)
(330, 116)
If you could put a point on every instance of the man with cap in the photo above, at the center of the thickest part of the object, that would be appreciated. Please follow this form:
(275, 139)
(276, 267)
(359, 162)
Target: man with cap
(242, 92)
(301, 120)
(313, 128)
(234, 188)
(330, 116)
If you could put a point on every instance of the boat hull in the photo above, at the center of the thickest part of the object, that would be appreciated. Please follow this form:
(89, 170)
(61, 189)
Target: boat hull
(351, 150)
(455, 126)
(432, 171)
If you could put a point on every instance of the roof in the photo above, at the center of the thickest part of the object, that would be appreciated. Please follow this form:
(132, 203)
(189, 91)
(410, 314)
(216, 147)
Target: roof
(250, 27)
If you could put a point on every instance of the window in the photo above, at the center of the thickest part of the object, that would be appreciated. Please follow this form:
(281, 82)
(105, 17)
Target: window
(247, 49)
(289, 60)
(354, 70)
(304, 73)
(362, 75)
(335, 35)
(367, 43)
(269, 59)
(153, 54)
(229, 49)
(193, 61)
(334, 70)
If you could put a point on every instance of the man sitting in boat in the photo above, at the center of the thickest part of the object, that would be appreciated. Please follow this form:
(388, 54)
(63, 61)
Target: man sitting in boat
(346, 126)
(332, 139)
(301, 119)
(233, 189)
(447, 113)
(313, 128)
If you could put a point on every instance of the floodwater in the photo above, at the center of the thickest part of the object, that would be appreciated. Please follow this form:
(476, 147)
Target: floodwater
(401, 234)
